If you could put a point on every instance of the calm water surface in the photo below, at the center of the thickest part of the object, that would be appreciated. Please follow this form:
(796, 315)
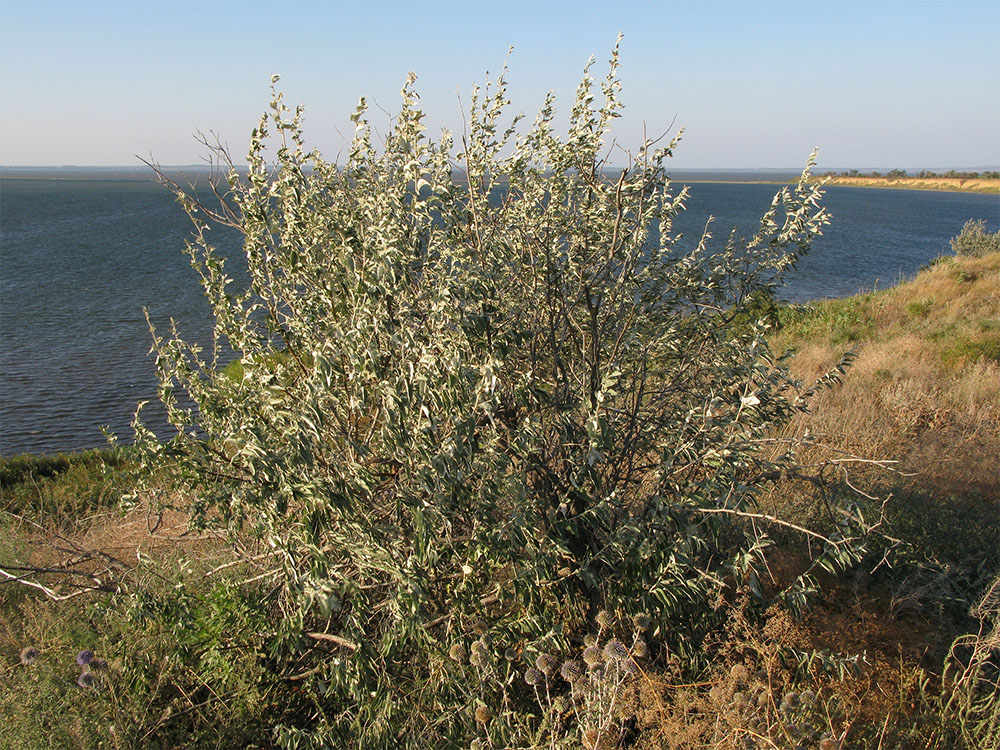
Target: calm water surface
(81, 258)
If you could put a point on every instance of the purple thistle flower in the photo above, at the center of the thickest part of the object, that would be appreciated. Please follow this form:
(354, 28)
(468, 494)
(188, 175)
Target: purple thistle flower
(84, 657)
(546, 664)
(533, 677)
(571, 670)
(615, 649)
(86, 680)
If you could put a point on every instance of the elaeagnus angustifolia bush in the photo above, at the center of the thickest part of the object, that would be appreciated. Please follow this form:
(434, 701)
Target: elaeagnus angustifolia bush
(483, 392)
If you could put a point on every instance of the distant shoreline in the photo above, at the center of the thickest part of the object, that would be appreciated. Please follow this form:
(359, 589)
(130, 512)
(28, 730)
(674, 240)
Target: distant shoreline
(941, 184)
(947, 184)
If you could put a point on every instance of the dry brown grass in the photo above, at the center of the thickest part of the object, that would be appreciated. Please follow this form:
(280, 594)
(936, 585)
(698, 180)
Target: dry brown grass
(924, 390)
(925, 385)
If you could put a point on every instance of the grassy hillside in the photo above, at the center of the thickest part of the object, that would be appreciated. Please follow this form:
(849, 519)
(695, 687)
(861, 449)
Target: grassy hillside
(881, 659)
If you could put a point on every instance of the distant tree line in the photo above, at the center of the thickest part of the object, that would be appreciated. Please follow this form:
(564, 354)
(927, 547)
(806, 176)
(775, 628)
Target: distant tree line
(895, 174)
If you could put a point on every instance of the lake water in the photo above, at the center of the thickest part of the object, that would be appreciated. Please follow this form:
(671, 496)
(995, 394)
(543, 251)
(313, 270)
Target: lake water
(80, 258)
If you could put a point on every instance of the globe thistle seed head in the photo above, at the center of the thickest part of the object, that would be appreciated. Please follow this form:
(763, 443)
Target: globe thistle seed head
(86, 680)
(476, 744)
(615, 649)
(29, 655)
(604, 619)
(642, 621)
(739, 674)
(791, 700)
(84, 657)
(808, 698)
(639, 648)
(483, 715)
(592, 656)
(589, 640)
(533, 676)
(571, 670)
(480, 627)
(456, 652)
(740, 701)
(560, 705)
(477, 659)
(511, 655)
(546, 664)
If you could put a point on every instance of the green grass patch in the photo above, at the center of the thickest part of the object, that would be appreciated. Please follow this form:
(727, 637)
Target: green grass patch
(63, 487)
(966, 347)
(919, 308)
(835, 321)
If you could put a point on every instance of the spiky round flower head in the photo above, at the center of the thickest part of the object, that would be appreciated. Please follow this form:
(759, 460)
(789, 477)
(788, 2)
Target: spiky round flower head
(480, 627)
(604, 619)
(476, 744)
(477, 659)
(29, 655)
(791, 700)
(456, 652)
(571, 670)
(483, 715)
(86, 680)
(642, 621)
(592, 656)
(511, 655)
(560, 705)
(639, 648)
(533, 677)
(84, 657)
(808, 698)
(615, 649)
(589, 640)
(739, 674)
(740, 701)
(480, 653)
(546, 664)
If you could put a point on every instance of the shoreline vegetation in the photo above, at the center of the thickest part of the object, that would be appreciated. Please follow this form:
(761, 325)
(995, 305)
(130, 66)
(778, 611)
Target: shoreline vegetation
(924, 390)
(950, 184)
(990, 186)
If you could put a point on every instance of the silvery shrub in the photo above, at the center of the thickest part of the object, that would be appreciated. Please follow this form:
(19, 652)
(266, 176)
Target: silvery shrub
(478, 382)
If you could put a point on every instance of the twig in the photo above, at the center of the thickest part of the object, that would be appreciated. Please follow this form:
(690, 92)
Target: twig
(349, 645)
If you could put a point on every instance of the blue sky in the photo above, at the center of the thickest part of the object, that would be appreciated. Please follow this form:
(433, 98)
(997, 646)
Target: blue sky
(756, 83)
